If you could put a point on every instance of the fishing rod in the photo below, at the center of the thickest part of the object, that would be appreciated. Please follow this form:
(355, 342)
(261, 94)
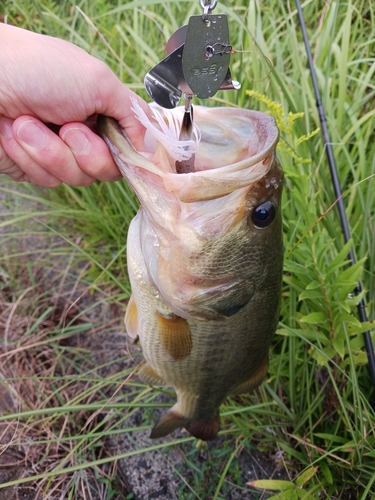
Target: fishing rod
(336, 185)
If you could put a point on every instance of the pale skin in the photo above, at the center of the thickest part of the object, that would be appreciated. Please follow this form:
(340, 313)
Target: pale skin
(45, 80)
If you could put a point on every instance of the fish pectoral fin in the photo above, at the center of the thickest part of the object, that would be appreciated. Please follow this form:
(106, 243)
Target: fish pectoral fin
(149, 376)
(175, 336)
(131, 319)
(172, 420)
(254, 381)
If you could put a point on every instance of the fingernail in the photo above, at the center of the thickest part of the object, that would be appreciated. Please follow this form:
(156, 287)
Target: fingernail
(31, 134)
(76, 139)
(6, 128)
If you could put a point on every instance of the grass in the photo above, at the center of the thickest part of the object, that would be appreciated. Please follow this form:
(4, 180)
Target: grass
(315, 411)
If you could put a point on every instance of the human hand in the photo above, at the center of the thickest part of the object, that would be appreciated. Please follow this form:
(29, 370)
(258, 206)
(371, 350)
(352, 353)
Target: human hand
(46, 80)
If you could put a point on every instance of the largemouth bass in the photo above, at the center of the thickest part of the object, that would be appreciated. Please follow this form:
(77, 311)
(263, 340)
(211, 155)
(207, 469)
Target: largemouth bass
(204, 258)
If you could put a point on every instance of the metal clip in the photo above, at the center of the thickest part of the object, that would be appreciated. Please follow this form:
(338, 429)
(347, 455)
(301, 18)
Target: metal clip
(207, 6)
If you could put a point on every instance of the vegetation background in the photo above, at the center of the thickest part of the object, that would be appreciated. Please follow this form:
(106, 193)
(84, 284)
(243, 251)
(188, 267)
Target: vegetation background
(314, 413)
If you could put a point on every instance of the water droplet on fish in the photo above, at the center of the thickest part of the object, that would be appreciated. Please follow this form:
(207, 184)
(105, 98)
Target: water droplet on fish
(208, 23)
(273, 182)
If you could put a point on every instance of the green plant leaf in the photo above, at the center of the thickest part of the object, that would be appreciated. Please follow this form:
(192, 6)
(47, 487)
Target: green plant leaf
(271, 484)
(305, 476)
(313, 285)
(285, 495)
(339, 345)
(311, 294)
(327, 473)
(304, 495)
(314, 318)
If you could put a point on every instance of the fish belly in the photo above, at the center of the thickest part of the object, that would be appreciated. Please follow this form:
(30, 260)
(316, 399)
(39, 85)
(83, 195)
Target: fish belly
(222, 357)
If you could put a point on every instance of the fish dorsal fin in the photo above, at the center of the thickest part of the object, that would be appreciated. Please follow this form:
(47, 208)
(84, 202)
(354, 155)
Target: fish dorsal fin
(131, 319)
(149, 376)
(254, 381)
(175, 336)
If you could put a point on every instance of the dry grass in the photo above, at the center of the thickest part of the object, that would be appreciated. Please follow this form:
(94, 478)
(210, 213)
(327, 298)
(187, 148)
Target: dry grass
(46, 366)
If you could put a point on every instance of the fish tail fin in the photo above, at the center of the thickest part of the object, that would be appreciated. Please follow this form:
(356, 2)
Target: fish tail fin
(172, 420)
(206, 431)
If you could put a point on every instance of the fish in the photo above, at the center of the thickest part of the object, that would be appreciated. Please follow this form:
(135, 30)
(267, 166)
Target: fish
(204, 255)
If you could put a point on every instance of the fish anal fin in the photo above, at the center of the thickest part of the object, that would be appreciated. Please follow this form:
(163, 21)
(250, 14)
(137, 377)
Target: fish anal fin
(168, 423)
(175, 336)
(149, 376)
(131, 319)
(254, 381)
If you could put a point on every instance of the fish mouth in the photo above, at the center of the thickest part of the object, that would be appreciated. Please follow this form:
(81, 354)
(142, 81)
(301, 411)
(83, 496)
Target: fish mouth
(220, 137)
(233, 148)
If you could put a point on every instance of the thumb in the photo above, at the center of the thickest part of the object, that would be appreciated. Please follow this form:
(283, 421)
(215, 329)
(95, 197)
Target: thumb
(119, 106)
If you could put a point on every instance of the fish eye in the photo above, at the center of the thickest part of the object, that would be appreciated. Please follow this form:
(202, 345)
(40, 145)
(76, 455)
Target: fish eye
(263, 214)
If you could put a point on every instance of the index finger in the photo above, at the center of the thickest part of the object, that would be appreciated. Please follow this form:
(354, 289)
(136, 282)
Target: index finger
(90, 152)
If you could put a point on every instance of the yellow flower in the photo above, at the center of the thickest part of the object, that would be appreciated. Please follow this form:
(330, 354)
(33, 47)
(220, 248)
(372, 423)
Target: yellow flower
(285, 124)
